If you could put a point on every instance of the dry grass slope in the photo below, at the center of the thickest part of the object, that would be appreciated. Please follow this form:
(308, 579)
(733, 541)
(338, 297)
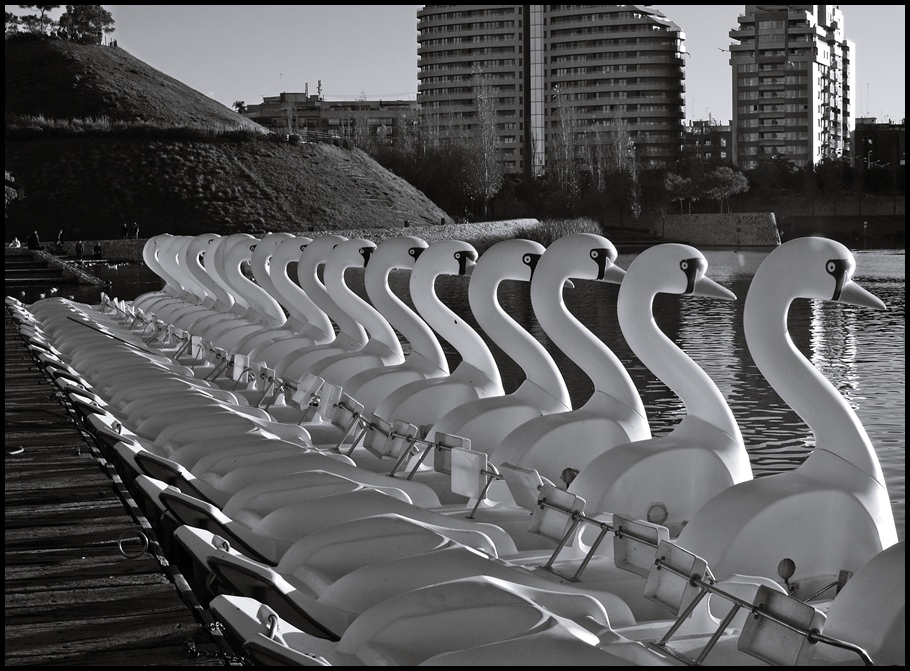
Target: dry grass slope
(97, 137)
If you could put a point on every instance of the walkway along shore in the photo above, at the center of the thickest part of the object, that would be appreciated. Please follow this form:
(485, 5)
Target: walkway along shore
(73, 596)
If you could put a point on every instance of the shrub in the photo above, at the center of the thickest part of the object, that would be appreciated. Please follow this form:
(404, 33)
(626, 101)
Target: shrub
(550, 230)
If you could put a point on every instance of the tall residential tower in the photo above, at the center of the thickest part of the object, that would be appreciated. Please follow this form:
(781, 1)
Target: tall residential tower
(549, 66)
(793, 84)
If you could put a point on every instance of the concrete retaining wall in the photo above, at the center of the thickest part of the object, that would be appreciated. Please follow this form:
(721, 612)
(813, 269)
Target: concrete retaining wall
(738, 229)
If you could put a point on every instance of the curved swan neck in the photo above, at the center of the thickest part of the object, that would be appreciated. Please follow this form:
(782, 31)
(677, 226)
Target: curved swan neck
(297, 301)
(578, 343)
(515, 341)
(836, 427)
(261, 303)
(669, 363)
(366, 315)
(424, 345)
(454, 329)
(338, 293)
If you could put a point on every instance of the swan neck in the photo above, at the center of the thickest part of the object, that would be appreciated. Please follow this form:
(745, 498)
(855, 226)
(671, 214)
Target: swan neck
(425, 348)
(451, 327)
(670, 364)
(836, 427)
(515, 341)
(369, 317)
(578, 343)
(339, 294)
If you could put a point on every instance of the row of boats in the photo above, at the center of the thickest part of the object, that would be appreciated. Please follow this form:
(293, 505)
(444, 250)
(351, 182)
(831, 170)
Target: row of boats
(336, 499)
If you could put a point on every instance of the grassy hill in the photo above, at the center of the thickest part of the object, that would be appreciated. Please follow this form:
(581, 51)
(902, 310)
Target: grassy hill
(97, 137)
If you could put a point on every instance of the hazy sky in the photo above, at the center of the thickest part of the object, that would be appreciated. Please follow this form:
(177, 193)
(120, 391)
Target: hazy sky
(245, 52)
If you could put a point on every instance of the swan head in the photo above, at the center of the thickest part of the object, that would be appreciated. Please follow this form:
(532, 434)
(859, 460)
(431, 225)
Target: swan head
(353, 253)
(813, 268)
(583, 256)
(315, 253)
(674, 269)
(289, 250)
(399, 252)
(266, 248)
(514, 259)
(446, 257)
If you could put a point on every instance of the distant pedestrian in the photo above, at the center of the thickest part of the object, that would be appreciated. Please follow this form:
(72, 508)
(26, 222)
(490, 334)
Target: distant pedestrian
(97, 252)
(15, 243)
(33, 241)
(80, 248)
(125, 230)
(60, 241)
(135, 231)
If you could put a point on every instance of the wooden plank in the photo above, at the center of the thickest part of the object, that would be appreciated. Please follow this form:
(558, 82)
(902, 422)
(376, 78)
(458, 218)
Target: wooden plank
(72, 598)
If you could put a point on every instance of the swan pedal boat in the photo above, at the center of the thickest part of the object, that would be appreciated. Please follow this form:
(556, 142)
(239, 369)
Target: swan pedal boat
(844, 288)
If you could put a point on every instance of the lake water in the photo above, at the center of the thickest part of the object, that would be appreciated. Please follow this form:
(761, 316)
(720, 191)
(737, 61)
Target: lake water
(860, 350)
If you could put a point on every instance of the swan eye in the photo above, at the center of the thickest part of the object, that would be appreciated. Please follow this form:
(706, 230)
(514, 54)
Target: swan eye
(526, 259)
(252, 248)
(830, 266)
(684, 265)
(594, 254)
(302, 247)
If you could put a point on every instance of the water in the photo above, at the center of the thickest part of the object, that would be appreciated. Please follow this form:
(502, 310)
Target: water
(860, 350)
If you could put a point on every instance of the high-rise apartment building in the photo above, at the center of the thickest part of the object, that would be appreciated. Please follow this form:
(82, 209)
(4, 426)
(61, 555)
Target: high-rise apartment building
(793, 83)
(549, 66)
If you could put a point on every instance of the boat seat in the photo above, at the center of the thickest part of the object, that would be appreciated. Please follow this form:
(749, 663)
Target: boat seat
(524, 484)
(472, 475)
(635, 544)
(441, 449)
(306, 396)
(394, 441)
(780, 639)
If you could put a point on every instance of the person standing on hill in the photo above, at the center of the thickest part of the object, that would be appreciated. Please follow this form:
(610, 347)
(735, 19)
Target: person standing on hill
(125, 230)
(80, 248)
(33, 241)
(135, 231)
(60, 241)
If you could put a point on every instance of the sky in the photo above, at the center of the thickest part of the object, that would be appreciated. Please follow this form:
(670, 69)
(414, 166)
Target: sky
(246, 52)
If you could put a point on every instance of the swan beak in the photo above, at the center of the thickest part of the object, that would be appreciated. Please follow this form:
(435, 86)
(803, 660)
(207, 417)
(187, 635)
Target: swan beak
(705, 286)
(854, 294)
(613, 274)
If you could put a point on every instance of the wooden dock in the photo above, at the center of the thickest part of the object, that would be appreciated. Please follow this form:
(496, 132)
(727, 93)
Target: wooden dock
(72, 596)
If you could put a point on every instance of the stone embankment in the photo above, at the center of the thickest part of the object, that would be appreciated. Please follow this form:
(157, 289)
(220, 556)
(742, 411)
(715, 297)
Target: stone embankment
(737, 229)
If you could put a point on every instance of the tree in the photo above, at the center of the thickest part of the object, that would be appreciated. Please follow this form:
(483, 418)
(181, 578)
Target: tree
(240, 106)
(724, 182)
(41, 23)
(12, 24)
(85, 24)
(485, 168)
(561, 150)
(679, 188)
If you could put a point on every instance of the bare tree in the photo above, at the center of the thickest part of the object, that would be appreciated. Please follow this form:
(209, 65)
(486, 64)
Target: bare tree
(561, 146)
(483, 144)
